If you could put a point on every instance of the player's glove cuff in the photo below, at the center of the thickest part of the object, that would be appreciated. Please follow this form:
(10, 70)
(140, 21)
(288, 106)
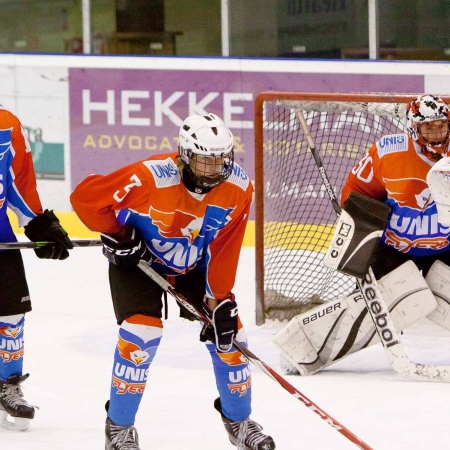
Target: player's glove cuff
(46, 227)
(127, 252)
(225, 321)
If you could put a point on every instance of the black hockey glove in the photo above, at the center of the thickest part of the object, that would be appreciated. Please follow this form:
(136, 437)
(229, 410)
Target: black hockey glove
(126, 252)
(225, 324)
(46, 227)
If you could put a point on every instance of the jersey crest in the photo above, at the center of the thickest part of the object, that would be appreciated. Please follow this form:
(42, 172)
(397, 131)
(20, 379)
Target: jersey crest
(178, 239)
(413, 193)
(392, 143)
(176, 224)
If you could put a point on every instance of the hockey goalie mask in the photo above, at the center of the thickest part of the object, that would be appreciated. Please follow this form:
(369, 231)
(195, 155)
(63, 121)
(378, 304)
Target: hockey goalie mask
(427, 122)
(206, 150)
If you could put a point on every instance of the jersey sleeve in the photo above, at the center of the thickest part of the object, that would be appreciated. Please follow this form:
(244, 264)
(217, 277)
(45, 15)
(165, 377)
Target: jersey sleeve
(23, 197)
(97, 197)
(225, 250)
(365, 178)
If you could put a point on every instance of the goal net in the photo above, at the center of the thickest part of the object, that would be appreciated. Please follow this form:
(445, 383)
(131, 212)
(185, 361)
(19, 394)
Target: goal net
(294, 216)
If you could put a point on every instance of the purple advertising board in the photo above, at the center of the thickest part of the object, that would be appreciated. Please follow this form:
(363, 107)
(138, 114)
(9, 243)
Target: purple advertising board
(119, 116)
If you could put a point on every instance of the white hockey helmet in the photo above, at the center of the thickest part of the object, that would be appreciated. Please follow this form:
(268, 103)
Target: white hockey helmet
(206, 149)
(424, 109)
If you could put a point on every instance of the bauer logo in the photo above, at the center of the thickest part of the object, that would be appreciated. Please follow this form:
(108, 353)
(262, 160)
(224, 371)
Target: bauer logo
(322, 313)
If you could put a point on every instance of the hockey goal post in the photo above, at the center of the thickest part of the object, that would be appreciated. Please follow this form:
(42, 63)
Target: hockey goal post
(293, 214)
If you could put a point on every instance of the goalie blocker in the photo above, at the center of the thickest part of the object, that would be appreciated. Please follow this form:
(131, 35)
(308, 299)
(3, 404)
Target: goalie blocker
(357, 234)
(330, 332)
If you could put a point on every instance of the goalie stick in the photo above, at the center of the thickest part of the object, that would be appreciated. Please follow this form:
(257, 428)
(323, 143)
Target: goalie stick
(26, 245)
(166, 286)
(389, 336)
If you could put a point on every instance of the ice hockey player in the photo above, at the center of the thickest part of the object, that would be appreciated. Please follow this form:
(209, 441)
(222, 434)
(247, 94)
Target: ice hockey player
(186, 214)
(408, 173)
(18, 193)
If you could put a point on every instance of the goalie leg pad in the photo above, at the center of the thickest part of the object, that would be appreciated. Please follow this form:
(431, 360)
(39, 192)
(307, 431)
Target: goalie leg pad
(307, 341)
(438, 279)
(295, 346)
(407, 295)
(330, 332)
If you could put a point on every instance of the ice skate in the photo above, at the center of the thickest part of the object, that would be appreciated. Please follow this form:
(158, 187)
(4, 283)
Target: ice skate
(13, 404)
(120, 438)
(246, 434)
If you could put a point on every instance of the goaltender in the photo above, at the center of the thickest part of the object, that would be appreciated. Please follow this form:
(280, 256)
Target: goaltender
(401, 182)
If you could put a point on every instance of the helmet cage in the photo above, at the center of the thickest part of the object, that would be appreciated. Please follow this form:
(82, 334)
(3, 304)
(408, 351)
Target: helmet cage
(201, 178)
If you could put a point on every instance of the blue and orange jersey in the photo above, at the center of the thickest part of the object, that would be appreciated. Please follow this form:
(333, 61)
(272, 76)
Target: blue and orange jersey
(17, 178)
(185, 231)
(394, 170)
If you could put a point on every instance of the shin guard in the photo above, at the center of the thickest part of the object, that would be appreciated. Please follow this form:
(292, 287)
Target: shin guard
(139, 338)
(11, 345)
(233, 380)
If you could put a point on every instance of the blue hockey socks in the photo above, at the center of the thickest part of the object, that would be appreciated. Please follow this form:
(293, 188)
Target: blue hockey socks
(11, 345)
(233, 379)
(139, 337)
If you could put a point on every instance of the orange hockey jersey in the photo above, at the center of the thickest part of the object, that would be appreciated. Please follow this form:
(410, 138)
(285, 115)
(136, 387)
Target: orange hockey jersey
(183, 230)
(394, 170)
(17, 178)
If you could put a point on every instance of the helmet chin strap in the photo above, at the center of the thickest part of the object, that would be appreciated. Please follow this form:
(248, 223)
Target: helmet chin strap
(190, 183)
(432, 155)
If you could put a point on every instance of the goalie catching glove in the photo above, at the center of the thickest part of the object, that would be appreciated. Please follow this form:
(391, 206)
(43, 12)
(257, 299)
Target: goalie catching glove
(224, 327)
(46, 228)
(127, 248)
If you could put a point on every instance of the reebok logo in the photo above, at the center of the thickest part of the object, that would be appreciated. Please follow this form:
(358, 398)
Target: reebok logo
(380, 317)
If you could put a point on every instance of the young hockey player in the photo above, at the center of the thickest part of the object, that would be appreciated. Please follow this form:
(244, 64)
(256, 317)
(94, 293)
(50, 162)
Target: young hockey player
(186, 213)
(18, 193)
(402, 173)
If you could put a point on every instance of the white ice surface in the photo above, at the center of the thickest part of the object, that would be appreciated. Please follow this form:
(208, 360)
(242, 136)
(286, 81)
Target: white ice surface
(70, 339)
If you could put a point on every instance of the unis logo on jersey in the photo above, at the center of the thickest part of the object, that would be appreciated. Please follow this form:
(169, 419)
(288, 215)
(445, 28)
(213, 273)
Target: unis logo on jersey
(165, 173)
(392, 143)
(413, 193)
(239, 177)
(183, 236)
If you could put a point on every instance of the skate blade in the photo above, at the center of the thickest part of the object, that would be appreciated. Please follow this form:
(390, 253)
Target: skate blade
(17, 424)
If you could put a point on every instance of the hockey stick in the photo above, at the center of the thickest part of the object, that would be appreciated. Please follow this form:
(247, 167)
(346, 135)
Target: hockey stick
(26, 245)
(166, 286)
(389, 336)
